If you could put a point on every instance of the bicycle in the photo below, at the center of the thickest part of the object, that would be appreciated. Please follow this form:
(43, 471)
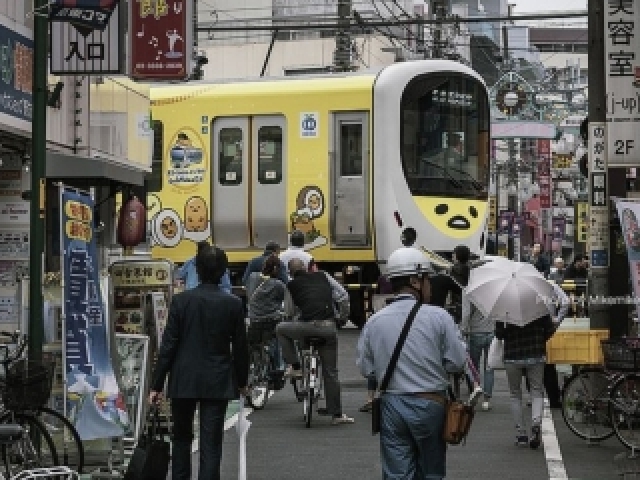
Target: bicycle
(309, 388)
(25, 390)
(606, 400)
(263, 374)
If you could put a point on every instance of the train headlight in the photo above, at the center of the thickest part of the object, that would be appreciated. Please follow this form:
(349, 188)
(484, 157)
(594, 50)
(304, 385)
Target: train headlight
(408, 237)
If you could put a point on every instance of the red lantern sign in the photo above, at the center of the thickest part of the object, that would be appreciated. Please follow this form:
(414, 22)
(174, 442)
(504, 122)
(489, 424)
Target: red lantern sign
(131, 223)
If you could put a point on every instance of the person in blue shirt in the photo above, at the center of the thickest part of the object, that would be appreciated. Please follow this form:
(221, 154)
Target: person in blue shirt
(188, 273)
(256, 264)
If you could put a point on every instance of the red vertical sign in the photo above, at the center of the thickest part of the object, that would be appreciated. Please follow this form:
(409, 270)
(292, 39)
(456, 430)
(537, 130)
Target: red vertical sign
(161, 39)
(544, 172)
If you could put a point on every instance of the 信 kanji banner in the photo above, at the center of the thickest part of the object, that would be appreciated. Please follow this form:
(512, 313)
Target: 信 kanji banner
(93, 401)
(90, 14)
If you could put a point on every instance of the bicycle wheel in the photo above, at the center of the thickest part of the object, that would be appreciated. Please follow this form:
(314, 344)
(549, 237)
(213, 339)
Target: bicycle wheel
(625, 410)
(585, 404)
(24, 454)
(258, 378)
(65, 438)
(308, 407)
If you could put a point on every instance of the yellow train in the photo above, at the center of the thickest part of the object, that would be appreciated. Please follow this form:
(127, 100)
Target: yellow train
(352, 160)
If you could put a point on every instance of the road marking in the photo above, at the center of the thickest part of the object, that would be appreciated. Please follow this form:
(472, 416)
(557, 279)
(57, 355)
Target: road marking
(555, 464)
(233, 419)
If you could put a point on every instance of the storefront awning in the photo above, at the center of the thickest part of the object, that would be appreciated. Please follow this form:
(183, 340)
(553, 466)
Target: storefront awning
(94, 171)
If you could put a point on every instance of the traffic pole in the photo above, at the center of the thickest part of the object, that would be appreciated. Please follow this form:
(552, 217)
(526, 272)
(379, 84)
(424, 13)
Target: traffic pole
(598, 191)
(38, 159)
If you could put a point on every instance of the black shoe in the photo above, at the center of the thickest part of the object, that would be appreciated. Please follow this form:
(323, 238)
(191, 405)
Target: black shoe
(534, 441)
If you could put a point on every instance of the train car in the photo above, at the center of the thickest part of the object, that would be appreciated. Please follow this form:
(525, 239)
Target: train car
(352, 160)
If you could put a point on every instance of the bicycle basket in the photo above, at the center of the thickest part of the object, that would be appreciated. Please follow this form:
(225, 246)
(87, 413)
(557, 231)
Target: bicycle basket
(261, 331)
(621, 354)
(27, 385)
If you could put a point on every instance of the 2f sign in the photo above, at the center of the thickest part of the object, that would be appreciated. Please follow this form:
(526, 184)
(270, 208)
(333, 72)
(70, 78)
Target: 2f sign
(623, 147)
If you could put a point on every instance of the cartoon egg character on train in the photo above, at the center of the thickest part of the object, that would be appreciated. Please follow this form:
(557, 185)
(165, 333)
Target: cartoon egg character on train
(360, 162)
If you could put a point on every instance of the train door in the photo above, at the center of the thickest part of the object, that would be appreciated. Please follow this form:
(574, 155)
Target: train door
(230, 178)
(249, 189)
(350, 180)
(268, 180)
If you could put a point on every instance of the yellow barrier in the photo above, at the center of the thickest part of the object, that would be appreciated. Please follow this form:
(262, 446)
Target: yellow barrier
(576, 347)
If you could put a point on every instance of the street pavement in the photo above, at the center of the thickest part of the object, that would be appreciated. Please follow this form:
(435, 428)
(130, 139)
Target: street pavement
(279, 447)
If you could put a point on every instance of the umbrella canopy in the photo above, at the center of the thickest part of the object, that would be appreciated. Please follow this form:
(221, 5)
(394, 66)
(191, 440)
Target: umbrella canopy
(508, 291)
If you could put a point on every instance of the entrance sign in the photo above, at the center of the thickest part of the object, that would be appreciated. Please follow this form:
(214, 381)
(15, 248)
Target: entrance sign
(77, 51)
(622, 51)
(93, 401)
(89, 14)
(161, 39)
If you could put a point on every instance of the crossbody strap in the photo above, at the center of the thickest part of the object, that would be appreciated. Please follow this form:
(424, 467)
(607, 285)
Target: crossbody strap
(396, 353)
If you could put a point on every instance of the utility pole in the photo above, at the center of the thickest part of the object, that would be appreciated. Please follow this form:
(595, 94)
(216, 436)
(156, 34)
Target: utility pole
(439, 14)
(342, 53)
(598, 201)
(38, 154)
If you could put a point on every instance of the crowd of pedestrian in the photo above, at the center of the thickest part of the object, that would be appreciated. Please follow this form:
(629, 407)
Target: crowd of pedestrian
(204, 351)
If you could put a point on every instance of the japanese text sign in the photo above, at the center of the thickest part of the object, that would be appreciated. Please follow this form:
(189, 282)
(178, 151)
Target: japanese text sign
(544, 172)
(161, 36)
(16, 60)
(77, 52)
(89, 14)
(622, 47)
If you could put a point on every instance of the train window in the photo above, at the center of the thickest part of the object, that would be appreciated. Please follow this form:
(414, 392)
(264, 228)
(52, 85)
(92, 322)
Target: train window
(351, 149)
(154, 179)
(270, 155)
(445, 136)
(230, 155)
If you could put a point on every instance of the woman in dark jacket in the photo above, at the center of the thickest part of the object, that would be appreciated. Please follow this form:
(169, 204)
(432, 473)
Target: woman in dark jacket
(525, 353)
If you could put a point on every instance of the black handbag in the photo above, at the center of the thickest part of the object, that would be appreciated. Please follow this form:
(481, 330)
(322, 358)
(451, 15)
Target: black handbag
(375, 405)
(150, 459)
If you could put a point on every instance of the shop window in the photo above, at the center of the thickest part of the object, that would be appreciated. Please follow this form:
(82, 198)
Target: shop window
(270, 155)
(154, 179)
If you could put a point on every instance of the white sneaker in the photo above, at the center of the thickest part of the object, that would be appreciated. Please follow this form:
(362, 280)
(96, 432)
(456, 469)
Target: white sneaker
(342, 420)
(486, 406)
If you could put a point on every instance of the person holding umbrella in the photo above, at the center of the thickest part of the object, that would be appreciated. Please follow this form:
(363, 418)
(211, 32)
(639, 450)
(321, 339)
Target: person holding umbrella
(513, 293)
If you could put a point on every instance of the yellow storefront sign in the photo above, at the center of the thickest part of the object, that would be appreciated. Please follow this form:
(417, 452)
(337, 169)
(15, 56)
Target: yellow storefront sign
(491, 227)
(141, 274)
(582, 222)
(561, 160)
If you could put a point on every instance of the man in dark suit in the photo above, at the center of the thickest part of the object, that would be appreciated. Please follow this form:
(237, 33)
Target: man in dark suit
(204, 351)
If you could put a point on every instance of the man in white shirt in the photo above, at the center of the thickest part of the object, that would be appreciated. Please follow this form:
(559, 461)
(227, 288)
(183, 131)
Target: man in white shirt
(296, 250)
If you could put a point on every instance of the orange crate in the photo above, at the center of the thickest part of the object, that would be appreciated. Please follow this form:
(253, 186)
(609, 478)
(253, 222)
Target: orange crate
(576, 347)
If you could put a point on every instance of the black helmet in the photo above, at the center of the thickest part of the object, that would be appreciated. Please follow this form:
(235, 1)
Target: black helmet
(297, 239)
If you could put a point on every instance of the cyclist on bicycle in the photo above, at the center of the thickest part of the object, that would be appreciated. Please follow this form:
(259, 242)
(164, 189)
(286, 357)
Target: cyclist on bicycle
(314, 295)
(265, 293)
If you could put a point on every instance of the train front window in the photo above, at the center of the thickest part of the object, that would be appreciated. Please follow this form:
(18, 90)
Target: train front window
(445, 136)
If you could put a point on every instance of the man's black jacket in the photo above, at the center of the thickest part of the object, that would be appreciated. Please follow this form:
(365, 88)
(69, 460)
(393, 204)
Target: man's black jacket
(204, 347)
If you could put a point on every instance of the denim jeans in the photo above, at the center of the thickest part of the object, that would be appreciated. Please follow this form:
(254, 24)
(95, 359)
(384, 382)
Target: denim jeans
(211, 432)
(478, 343)
(411, 441)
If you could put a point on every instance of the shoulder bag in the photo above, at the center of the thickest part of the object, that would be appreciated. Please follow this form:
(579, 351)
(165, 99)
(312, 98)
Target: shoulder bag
(457, 420)
(151, 456)
(375, 406)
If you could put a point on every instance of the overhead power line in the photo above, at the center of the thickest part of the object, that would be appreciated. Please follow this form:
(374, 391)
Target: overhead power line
(282, 24)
